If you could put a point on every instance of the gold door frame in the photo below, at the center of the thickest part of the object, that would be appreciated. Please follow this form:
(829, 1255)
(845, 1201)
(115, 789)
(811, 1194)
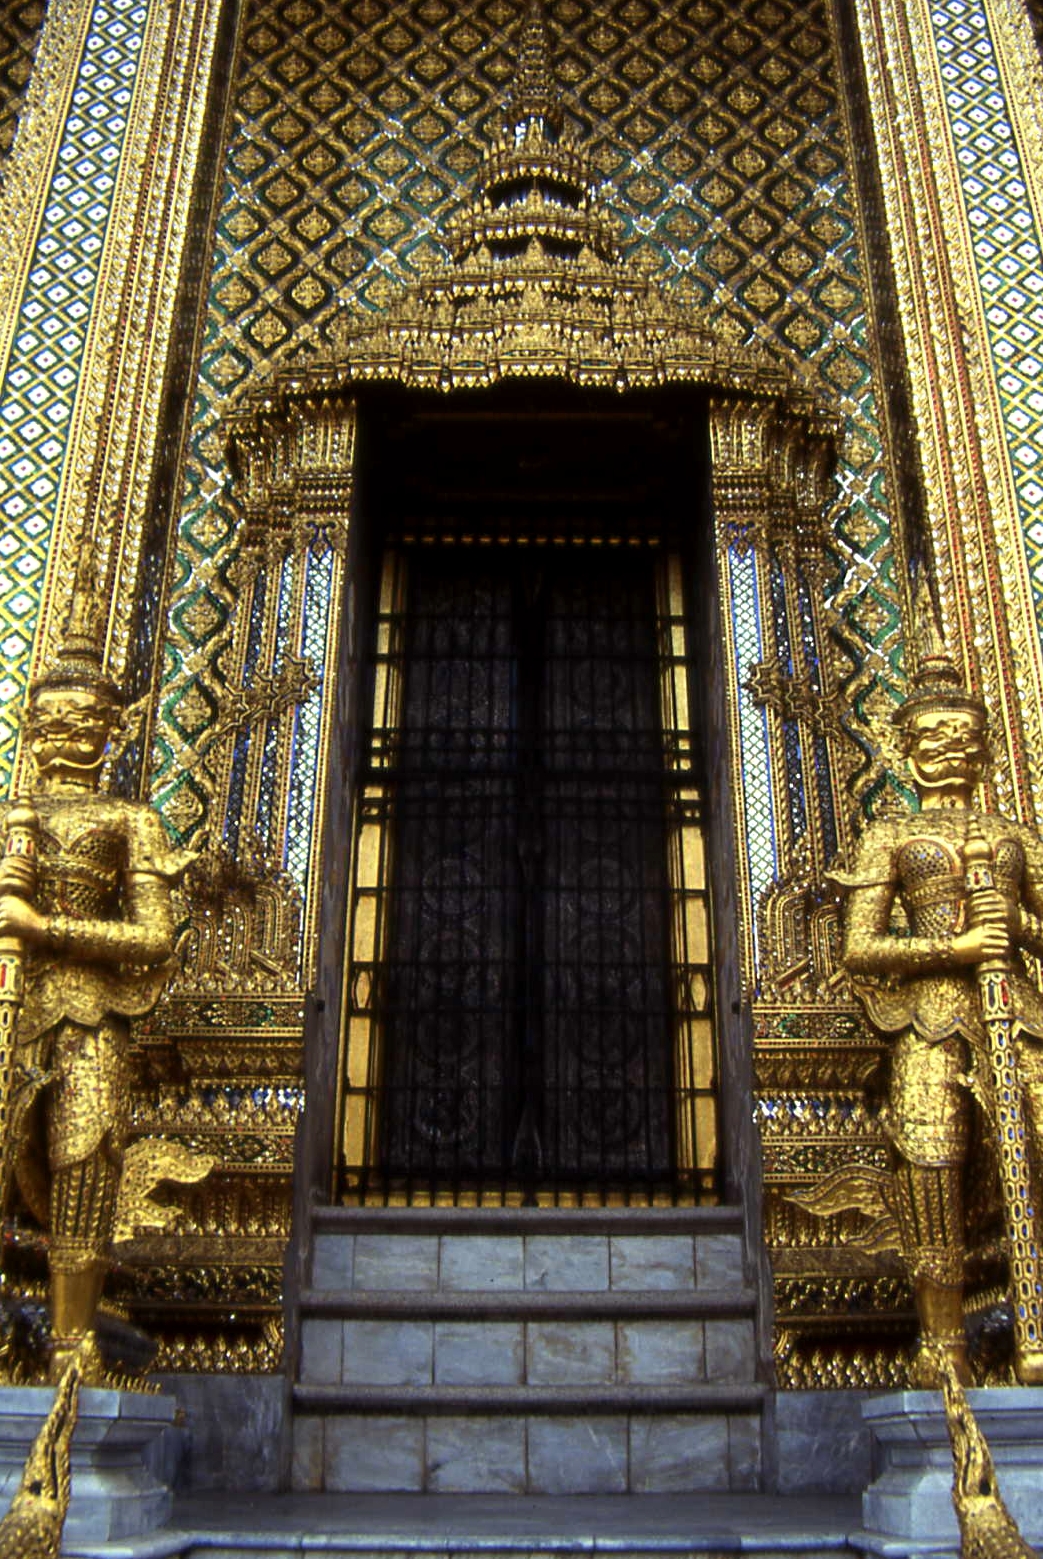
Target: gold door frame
(771, 457)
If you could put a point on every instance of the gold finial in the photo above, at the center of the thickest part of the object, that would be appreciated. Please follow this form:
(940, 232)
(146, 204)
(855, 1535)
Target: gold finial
(79, 658)
(32, 1528)
(937, 683)
(536, 200)
(534, 98)
(987, 1529)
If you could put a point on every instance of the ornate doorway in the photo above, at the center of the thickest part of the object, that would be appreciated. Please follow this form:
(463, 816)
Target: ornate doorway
(535, 303)
(529, 997)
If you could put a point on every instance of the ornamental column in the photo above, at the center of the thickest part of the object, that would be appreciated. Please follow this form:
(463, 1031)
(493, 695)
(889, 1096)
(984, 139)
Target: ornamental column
(957, 105)
(94, 235)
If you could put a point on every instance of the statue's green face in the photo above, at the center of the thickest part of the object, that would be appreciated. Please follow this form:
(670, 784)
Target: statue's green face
(947, 748)
(68, 730)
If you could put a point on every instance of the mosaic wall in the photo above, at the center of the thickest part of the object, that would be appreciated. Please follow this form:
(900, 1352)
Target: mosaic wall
(357, 131)
(721, 136)
(19, 34)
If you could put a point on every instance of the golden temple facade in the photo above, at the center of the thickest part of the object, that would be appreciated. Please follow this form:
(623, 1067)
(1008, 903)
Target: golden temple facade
(705, 337)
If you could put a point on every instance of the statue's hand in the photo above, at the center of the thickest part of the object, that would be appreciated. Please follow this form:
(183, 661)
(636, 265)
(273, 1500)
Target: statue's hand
(17, 875)
(17, 918)
(987, 940)
(990, 907)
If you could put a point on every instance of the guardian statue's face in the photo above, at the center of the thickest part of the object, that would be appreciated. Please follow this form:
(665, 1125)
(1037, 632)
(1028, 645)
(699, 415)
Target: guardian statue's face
(946, 748)
(68, 731)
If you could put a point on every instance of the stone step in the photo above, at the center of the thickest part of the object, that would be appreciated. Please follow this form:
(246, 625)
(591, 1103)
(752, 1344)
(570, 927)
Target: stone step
(576, 1349)
(527, 1350)
(385, 1254)
(505, 1304)
(559, 1441)
(208, 1545)
(472, 1527)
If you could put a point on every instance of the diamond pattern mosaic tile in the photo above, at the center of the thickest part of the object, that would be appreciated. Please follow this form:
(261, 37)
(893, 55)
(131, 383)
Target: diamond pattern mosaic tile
(307, 725)
(759, 815)
(1007, 247)
(39, 390)
(19, 35)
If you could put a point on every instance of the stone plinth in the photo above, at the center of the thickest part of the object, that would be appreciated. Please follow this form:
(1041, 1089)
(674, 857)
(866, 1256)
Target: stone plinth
(121, 1453)
(908, 1508)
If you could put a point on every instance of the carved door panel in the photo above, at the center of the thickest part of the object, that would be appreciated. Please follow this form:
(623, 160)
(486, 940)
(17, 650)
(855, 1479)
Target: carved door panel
(524, 989)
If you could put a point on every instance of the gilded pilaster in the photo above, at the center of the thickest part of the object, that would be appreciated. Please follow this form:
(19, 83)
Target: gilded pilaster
(95, 214)
(955, 91)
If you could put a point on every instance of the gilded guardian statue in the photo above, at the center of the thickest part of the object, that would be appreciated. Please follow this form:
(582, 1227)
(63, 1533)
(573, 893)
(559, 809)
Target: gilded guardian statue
(86, 924)
(950, 988)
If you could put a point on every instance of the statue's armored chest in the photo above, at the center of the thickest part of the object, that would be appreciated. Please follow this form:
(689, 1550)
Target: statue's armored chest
(1008, 866)
(931, 878)
(931, 885)
(81, 864)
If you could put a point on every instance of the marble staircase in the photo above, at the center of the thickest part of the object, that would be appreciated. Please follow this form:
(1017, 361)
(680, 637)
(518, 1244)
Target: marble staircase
(548, 1352)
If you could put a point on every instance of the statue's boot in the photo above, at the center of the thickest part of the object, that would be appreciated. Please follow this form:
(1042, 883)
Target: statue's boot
(940, 1308)
(75, 1296)
(83, 1203)
(1028, 1365)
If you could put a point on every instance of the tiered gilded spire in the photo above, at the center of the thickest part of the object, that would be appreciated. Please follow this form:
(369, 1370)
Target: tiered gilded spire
(78, 661)
(535, 189)
(534, 96)
(535, 286)
(936, 680)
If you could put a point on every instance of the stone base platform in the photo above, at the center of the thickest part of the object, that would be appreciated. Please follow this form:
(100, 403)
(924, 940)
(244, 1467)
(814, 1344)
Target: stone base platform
(122, 1457)
(374, 1526)
(907, 1510)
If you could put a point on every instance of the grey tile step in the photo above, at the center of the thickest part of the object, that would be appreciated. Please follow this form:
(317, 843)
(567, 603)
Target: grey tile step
(502, 1304)
(210, 1544)
(207, 1545)
(487, 1259)
(477, 1526)
(533, 1453)
(530, 1351)
(528, 1220)
(532, 1400)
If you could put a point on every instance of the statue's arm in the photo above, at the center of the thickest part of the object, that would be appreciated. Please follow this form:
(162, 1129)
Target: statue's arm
(1029, 931)
(871, 947)
(144, 934)
(143, 930)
